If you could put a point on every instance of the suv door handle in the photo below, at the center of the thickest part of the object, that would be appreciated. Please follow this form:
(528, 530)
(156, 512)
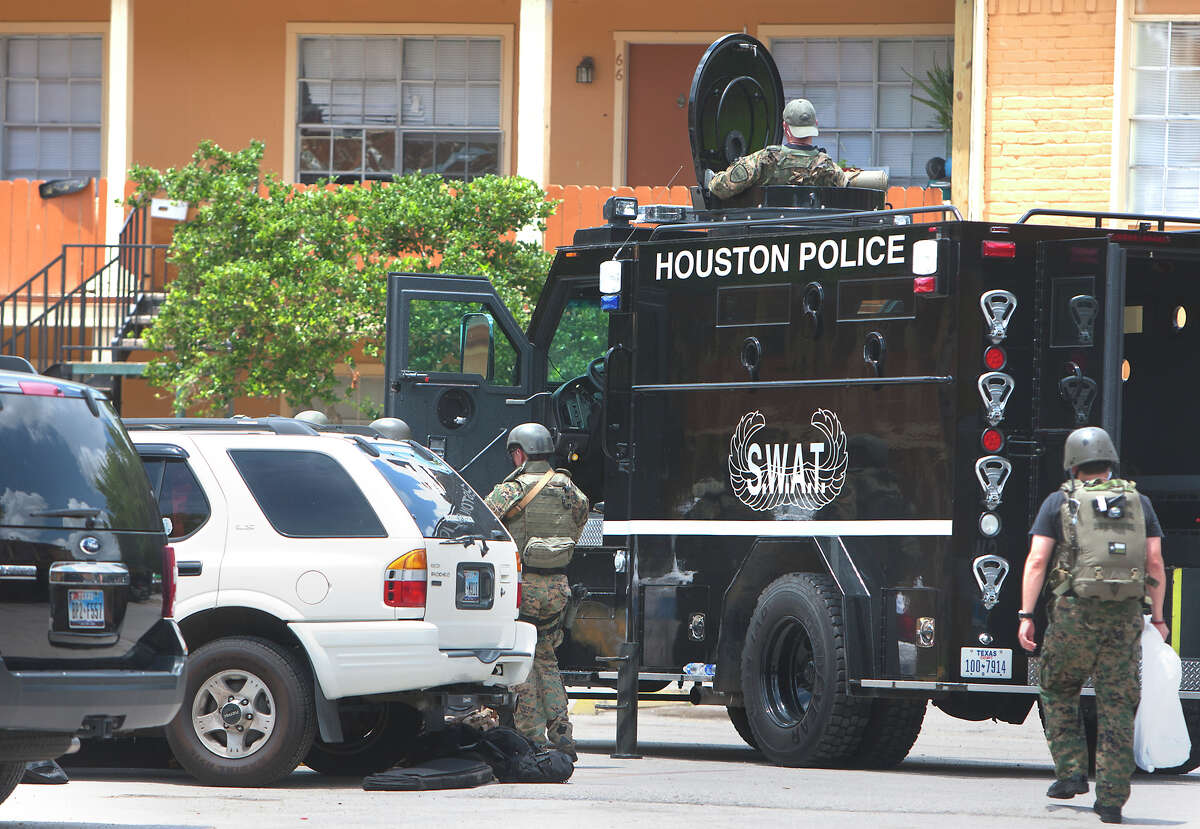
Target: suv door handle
(190, 568)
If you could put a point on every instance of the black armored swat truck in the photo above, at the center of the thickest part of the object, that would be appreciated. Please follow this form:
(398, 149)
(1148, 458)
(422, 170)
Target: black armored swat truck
(817, 431)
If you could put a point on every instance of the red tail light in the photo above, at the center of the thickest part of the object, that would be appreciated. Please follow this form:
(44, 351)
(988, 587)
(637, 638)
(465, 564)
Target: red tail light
(40, 389)
(1000, 250)
(520, 579)
(170, 578)
(404, 581)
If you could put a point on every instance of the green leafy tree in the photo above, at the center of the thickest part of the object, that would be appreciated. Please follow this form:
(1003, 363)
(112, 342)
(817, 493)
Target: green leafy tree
(276, 285)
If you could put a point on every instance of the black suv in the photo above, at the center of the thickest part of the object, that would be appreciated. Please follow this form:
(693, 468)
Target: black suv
(87, 583)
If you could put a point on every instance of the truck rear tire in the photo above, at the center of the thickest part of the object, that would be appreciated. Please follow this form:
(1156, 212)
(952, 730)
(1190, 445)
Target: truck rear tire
(377, 735)
(248, 716)
(10, 776)
(794, 679)
(892, 728)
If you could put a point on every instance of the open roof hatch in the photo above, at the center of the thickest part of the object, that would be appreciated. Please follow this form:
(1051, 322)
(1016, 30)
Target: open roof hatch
(736, 103)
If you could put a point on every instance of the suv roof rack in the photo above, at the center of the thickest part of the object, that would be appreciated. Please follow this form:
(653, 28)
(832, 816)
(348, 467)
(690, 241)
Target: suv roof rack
(274, 423)
(349, 429)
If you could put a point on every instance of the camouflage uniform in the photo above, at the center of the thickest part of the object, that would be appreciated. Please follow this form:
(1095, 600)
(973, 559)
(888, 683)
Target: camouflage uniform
(541, 711)
(778, 165)
(1091, 637)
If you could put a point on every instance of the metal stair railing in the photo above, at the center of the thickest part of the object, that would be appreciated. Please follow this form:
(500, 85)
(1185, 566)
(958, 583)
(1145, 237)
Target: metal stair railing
(85, 321)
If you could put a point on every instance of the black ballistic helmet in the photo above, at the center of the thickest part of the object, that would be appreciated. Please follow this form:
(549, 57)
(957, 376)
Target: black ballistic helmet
(532, 438)
(1087, 445)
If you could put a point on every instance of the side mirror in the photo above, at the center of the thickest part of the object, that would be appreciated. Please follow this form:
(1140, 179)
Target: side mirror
(476, 345)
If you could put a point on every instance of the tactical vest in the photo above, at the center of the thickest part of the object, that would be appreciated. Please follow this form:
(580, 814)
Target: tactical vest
(546, 530)
(1103, 551)
(792, 164)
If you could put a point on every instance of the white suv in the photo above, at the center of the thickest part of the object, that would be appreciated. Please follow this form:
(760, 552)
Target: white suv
(329, 582)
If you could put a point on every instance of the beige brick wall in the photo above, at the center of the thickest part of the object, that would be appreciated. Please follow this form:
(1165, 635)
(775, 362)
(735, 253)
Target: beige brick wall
(1048, 122)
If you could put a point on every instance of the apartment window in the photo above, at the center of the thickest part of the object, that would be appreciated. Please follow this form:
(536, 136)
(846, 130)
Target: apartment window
(373, 107)
(864, 99)
(51, 98)
(1164, 123)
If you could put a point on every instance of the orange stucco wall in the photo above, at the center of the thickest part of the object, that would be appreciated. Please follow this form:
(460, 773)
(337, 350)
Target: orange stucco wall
(16, 11)
(1049, 105)
(581, 118)
(217, 69)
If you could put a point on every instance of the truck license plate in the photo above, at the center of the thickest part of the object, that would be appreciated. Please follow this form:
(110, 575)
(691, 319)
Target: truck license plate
(85, 608)
(986, 663)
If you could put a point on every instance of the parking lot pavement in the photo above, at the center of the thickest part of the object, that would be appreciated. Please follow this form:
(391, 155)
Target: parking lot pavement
(695, 771)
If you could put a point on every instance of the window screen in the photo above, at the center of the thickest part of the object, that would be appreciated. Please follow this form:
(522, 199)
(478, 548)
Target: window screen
(306, 494)
(51, 98)
(863, 94)
(372, 107)
(1164, 125)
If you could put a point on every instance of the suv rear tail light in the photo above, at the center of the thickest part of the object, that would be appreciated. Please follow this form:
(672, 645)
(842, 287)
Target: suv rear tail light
(404, 580)
(521, 579)
(1000, 250)
(170, 578)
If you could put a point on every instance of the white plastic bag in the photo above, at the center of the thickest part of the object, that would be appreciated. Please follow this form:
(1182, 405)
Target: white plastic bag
(1160, 735)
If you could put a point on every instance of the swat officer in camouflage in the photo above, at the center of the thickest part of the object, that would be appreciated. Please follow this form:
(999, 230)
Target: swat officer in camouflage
(797, 161)
(1105, 544)
(546, 513)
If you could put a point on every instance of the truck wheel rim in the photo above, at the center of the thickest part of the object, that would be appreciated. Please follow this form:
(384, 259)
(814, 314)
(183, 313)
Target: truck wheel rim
(788, 673)
(233, 714)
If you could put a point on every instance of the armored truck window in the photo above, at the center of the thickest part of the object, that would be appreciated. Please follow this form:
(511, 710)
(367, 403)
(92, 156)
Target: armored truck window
(306, 494)
(581, 336)
(435, 341)
(860, 300)
(754, 305)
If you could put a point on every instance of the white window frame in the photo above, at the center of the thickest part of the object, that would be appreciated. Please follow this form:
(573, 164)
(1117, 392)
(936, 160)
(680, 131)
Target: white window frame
(1119, 194)
(63, 28)
(769, 34)
(295, 31)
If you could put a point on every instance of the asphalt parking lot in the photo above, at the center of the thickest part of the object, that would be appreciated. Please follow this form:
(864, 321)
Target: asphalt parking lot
(695, 771)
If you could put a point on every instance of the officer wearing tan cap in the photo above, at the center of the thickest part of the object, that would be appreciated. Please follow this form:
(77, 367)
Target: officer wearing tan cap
(796, 161)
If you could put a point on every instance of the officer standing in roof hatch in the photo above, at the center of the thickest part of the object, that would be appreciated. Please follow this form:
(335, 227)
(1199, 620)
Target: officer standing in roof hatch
(797, 161)
(546, 513)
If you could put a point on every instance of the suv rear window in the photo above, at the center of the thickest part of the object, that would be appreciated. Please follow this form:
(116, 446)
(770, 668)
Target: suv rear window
(62, 466)
(306, 494)
(442, 503)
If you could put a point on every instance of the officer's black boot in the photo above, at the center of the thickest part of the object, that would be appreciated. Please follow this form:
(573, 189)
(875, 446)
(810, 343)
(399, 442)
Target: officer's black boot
(1068, 788)
(1108, 814)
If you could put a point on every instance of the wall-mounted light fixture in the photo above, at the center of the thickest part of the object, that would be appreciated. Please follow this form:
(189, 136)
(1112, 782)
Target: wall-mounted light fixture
(585, 71)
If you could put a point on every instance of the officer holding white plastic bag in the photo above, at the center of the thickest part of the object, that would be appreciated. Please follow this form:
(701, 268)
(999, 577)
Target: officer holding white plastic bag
(1160, 735)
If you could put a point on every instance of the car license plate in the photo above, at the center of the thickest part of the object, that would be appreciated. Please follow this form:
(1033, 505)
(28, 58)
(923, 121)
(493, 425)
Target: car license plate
(986, 663)
(471, 585)
(85, 608)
